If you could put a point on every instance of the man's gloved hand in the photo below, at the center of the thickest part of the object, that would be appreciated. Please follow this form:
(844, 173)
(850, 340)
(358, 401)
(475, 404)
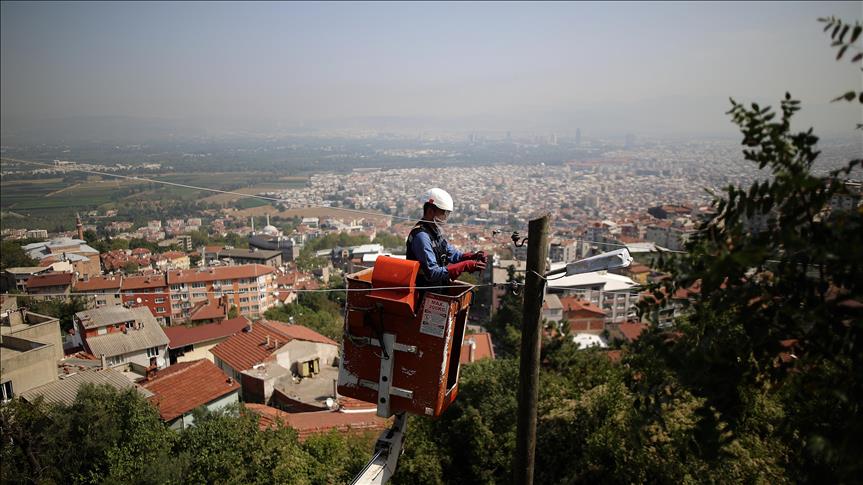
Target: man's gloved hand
(479, 256)
(456, 269)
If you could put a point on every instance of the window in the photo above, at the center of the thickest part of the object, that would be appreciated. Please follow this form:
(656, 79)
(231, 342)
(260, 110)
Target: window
(7, 392)
(101, 302)
(153, 352)
(310, 368)
(175, 287)
(116, 359)
(160, 309)
(101, 331)
(160, 300)
(198, 285)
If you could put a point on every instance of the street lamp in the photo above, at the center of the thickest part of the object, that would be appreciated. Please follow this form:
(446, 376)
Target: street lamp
(619, 258)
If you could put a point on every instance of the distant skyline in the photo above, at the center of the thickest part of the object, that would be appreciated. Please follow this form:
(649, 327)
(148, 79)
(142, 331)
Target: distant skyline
(607, 68)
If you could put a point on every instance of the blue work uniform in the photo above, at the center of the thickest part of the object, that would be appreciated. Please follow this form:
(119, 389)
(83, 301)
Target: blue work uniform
(427, 245)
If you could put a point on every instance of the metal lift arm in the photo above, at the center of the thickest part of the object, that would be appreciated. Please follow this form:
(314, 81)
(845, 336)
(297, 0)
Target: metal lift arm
(388, 449)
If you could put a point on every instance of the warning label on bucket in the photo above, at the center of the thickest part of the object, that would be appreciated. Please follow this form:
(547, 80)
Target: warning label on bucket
(435, 317)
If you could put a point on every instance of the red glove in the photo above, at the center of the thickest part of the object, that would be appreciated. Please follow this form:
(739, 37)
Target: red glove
(456, 269)
(479, 256)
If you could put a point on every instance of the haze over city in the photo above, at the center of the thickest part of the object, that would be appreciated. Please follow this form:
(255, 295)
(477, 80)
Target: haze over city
(545, 242)
(653, 69)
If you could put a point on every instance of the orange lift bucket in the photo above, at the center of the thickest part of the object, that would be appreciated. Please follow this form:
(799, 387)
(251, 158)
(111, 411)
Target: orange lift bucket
(401, 345)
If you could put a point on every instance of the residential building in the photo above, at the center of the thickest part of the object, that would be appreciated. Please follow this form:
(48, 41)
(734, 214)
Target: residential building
(15, 279)
(251, 288)
(476, 346)
(100, 291)
(562, 251)
(180, 389)
(627, 331)
(289, 366)
(206, 311)
(171, 260)
(50, 285)
(192, 343)
(84, 259)
(150, 291)
(124, 336)
(250, 256)
(582, 316)
(615, 294)
(30, 346)
(552, 309)
(319, 422)
(65, 390)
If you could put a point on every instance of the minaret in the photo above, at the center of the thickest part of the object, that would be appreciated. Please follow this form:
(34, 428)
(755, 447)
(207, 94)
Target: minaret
(253, 225)
(268, 218)
(79, 226)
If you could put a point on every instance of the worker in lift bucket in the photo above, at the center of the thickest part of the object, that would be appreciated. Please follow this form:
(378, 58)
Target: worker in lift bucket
(440, 262)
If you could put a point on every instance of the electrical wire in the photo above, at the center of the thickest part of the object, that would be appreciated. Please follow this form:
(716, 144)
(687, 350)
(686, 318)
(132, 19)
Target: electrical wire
(232, 292)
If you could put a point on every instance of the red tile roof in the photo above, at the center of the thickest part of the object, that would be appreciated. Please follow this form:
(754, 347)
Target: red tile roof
(245, 349)
(218, 273)
(572, 304)
(631, 331)
(318, 422)
(183, 387)
(99, 283)
(300, 332)
(206, 310)
(483, 347)
(183, 336)
(49, 279)
(172, 255)
(143, 282)
(639, 268)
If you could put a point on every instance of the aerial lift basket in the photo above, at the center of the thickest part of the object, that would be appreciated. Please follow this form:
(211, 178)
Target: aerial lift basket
(401, 345)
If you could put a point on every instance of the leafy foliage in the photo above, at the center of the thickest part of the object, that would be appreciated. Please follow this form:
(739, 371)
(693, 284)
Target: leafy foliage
(119, 438)
(505, 325)
(312, 310)
(773, 340)
(838, 32)
(62, 309)
(13, 256)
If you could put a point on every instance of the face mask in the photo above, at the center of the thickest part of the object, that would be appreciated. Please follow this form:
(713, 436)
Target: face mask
(440, 223)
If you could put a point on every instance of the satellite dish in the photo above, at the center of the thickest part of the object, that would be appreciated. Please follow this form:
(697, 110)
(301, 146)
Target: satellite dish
(330, 402)
(139, 300)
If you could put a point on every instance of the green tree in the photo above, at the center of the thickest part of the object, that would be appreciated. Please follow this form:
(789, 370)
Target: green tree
(63, 310)
(792, 288)
(312, 310)
(234, 312)
(390, 241)
(131, 267)
(13, 256)
(505, 325)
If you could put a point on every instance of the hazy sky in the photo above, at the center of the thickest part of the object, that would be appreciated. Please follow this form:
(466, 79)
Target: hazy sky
(641, 67)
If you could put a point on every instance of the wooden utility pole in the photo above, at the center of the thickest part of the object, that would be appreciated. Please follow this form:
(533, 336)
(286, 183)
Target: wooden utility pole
(528, 379)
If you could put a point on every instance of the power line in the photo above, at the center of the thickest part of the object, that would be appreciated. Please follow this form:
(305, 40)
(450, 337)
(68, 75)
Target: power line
(232, 292)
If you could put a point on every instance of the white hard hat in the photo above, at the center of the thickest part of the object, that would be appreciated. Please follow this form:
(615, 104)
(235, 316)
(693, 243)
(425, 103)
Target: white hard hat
(439, 197)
